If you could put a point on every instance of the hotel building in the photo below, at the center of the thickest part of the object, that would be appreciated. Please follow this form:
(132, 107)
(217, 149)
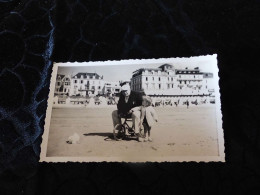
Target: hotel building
(86, 84)
(166, 80)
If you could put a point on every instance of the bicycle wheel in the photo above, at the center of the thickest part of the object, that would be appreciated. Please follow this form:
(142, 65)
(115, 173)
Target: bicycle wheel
(119, 132)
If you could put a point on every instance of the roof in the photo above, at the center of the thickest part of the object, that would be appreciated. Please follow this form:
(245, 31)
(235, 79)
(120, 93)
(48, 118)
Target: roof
(143, 69)
(85, 74)
(60, 75)
(165, 65)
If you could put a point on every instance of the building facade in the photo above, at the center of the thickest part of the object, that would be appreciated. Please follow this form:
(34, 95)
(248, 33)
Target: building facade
(111, 88)
(166, 80)
(86, 84)
(62, 85)
(154, 81)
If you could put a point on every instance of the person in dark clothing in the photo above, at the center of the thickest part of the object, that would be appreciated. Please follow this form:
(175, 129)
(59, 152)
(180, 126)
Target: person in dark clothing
(128, 99)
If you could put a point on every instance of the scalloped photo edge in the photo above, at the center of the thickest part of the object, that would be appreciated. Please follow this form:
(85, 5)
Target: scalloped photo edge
(183, 92)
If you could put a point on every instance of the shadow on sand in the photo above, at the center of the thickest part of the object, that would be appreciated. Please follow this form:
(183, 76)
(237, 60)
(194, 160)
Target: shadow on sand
(108, 136)
(99, 134)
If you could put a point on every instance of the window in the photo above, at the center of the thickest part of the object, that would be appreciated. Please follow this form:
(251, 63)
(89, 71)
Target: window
(194, 76)
(153, 78)
(58, 83)
(172, 79)
(168, 78)
(75, 81)
(146, 78)
(159, 86)
(168, 86)
(172, 85)
(179, 76)
(99, 87)
(159, 78)
(81, 81)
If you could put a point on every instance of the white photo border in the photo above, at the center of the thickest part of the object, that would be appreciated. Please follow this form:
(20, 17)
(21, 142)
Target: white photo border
(221, 149)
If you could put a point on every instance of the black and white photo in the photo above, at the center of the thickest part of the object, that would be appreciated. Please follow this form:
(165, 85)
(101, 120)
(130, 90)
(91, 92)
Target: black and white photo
(134, 111)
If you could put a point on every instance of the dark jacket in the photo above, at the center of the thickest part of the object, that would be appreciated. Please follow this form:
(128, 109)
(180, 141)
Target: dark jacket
(135, 99)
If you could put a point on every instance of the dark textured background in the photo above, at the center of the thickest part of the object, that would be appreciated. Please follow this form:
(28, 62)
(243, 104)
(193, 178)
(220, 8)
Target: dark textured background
(33, 34)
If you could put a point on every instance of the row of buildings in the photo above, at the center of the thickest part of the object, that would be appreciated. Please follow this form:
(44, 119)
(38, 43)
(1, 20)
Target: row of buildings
(85, 84)
(164, 80)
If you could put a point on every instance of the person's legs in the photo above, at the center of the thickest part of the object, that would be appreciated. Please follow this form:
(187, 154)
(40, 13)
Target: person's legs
(149, 134)
(136, 120)
(116, 119)
(145, 131)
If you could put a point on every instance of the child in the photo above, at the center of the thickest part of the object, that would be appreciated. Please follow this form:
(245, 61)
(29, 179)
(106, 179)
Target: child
(147, 118)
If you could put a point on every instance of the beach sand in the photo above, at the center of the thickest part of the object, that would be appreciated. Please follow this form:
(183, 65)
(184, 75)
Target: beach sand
(179, 132)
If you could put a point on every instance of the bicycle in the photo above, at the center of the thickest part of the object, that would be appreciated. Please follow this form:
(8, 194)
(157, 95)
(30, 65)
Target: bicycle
(124, 131)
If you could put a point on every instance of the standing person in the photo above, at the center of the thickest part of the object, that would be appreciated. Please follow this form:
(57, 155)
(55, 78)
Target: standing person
(187, 103)
(128, 99)
(148, 117)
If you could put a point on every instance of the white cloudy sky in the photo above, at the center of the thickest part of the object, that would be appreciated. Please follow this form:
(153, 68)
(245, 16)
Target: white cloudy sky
(124, 72)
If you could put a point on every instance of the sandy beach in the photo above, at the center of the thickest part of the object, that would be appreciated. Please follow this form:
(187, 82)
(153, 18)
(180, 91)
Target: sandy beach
(179, 132)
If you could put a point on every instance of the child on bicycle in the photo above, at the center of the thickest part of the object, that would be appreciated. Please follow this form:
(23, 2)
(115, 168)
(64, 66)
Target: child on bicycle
(147, 118)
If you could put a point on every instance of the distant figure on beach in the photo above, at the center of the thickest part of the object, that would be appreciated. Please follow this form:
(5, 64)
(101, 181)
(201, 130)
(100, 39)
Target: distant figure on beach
(188, 103)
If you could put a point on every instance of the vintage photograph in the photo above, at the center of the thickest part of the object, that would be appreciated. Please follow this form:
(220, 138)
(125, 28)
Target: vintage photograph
(134, 111)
